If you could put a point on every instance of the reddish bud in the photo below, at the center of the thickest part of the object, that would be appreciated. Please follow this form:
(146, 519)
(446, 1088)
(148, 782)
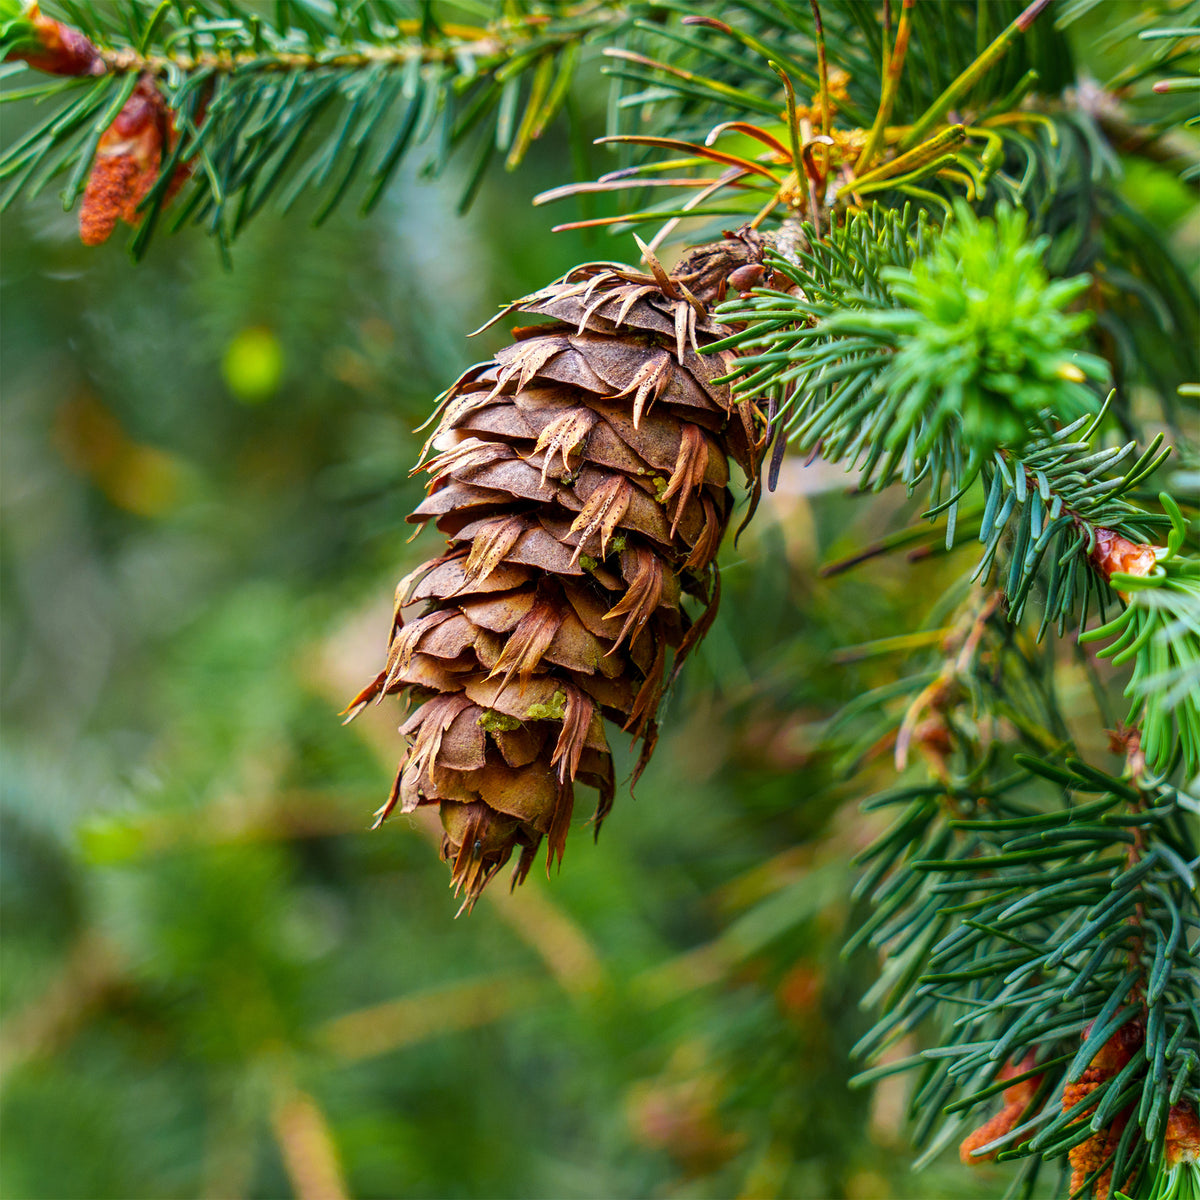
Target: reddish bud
(799, 992)
(56, 48)
(127, 162)
(746, 277)
(1114, 554)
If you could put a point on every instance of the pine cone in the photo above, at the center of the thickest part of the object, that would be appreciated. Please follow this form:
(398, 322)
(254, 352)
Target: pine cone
(580, 479)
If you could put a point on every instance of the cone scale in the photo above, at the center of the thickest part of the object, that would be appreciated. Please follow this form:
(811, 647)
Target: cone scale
(580, 479)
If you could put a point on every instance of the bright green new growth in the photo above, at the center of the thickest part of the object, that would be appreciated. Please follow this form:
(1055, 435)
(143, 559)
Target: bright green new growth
(916, 354)
(985, 340)
(16, 30)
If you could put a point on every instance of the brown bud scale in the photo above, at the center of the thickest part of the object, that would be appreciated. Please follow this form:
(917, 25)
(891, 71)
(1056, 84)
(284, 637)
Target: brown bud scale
(1182, 1139)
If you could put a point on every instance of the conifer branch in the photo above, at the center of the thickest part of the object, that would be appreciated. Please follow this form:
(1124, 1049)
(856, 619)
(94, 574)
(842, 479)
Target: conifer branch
(1038, 909)
(1147, 310)
(876, 357)
(712, 70)
(317, 102)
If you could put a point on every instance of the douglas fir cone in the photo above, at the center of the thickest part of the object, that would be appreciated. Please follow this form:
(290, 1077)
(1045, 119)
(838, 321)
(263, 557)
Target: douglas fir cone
(580, 480)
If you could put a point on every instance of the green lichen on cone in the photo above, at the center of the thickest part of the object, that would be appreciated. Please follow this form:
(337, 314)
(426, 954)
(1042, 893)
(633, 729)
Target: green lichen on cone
(580, 479)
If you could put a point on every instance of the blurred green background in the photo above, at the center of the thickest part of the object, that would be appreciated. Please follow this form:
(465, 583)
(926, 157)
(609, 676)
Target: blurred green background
(214, 980)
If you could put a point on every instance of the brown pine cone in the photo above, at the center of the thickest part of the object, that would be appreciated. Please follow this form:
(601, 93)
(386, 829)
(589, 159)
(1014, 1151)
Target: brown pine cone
(580, 480)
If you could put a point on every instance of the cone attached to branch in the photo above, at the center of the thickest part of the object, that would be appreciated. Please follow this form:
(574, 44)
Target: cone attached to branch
(581, 480)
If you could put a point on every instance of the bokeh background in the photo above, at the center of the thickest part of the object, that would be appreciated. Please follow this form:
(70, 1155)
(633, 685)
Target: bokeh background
(214, 980)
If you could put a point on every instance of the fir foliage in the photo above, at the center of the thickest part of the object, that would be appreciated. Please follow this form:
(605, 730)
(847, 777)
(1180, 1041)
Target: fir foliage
(953, 272)
(896, 358)
(1031, 905)
(1048, 507)
(1143, 298)
(303, 99)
